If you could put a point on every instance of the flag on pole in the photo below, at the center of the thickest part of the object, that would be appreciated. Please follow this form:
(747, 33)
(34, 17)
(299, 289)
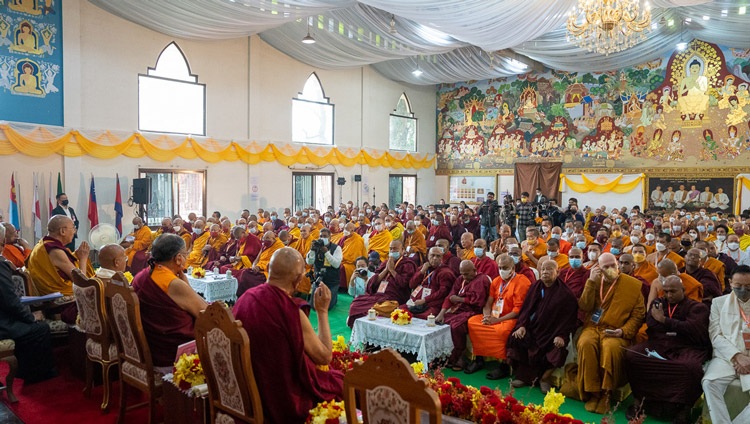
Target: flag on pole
(93, 211)
(50, 203)
(59, 185)
(13, 208)
(118, 206)
(36, 213)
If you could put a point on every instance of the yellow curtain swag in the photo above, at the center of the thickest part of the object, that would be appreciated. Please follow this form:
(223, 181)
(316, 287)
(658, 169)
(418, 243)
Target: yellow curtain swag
(602, 185)
(41, 142)
(745, 181)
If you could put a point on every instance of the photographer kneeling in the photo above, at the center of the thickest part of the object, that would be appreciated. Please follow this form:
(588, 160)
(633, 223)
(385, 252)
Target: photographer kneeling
(360, 277)
(325, 257)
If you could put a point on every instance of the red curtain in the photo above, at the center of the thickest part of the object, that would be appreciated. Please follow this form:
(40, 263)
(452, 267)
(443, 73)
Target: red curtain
(545, 175)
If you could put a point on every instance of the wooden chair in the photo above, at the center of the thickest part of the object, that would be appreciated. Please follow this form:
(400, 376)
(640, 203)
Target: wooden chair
(387, 390)
(58, 328)
(224, 350)
(136, 366)
(8, 354)
(100, 346)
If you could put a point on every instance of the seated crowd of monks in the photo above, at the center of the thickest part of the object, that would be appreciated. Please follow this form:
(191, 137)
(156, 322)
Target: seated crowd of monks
(638, 298)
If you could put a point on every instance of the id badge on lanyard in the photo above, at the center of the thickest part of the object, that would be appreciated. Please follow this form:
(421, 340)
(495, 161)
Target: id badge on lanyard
(597, 315)
(497, 308)
(383, 286)
(415, 292)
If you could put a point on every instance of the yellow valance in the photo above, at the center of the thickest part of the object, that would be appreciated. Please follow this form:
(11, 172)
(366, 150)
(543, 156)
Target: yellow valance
(43, 141)
(612, 186)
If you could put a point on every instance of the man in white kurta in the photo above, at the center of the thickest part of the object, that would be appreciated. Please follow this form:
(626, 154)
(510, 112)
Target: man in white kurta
(729, 329)
(680, 197)
(656, 197)
(721, 200)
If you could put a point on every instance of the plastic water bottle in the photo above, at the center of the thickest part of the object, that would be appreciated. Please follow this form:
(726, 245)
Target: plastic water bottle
(190, 271)
(229, 274)
(216, 270)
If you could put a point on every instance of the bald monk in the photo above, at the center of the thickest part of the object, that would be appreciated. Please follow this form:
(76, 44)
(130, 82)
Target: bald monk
(363, 225)
(228, 250)
(390, 283)
(520, 267)
(449, 258)
(416, 246)
(468, 295)
(112, 259)
(51, 264)
(137, 245)
(166, 227)
(287, 359)
(336, 231)
(533, 247)
(16, 249)
(489, 331)
(352, 247)
(430, 286)
(693, 288)
(554, 254)
(257, 274)
(710, 263)
(693, 268)
(465, 251)
(180, 230)
(168, 304)
(483, 263)
(643, 268)
(198, 255)
(614, 306)
(576, 274)
(379, 240)
(294, 228)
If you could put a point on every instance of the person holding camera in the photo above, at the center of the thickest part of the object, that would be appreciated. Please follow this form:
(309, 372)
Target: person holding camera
(508, 214)
(488, 213)
(325, 257)
(359, 278)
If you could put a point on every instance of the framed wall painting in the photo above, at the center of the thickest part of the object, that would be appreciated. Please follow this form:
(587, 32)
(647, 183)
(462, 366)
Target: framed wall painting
(471, 189)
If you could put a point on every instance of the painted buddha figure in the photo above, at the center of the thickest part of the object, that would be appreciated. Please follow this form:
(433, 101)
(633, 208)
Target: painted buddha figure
(693, 99)
(27, 83)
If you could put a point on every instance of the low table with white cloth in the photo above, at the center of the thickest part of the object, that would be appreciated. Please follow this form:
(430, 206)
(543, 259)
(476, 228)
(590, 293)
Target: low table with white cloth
(428, 343)
(215, 287)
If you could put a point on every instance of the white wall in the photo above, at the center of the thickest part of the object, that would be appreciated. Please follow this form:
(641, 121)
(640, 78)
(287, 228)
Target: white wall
(249, 88)
(611, 200)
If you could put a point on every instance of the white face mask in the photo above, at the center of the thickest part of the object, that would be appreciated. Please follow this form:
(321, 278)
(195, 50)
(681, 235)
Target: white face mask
(593, 256)
(661, 247)
(176, 229)
(634, 239)
(347, 233)
(721, 237)
(650, 237)
(733, 246)
(506, 274)
(197, 231)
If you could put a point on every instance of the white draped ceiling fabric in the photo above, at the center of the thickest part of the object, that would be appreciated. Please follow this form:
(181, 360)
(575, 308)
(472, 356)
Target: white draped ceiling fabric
(448, 40)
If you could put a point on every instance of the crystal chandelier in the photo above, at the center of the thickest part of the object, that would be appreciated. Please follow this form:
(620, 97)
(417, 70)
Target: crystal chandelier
(608, 26)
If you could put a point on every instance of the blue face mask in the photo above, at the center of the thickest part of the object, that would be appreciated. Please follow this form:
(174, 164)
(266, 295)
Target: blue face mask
(394, 255)
(556, 236)
(580, 244)
(575, 262)
(710, 228)
(615, 251)
(516, 259)
(701, 228)
(618, 220)
(714, 218)
(478, 251)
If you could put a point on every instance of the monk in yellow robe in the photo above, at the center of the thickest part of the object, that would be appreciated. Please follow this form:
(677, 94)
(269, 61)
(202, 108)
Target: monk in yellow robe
(16, 249)
(187, 236)
(137, 244)
(294, 229)
(51, 264)
(213, 245)
(554, 254)
(614, 310)
(712, 264)
(302, 245)
(197, 256)
(258, 274)
(643, 268)
(465, 251)
(416, 245)
(336, 231)
(395, 227)
(379, 240)
(352, 247)
(533, 247)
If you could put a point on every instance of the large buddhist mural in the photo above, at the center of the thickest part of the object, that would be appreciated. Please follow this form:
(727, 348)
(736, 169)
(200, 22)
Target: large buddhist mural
(692, 108)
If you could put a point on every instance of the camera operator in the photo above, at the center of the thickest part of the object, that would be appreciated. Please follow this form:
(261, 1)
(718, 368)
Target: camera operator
(488, 214)
(526, 214)
(508, 213)
(325, 257)
(572, 212)
(360, 277)
(555, 213)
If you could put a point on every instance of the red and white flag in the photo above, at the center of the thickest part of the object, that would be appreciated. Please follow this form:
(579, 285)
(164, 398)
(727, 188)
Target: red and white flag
(36, 214)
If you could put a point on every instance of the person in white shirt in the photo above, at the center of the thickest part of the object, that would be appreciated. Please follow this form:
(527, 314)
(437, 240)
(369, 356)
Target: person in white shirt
(720, 200)
(360, 277)
(112, 259)
(733, 250)
(680, 197)
(656, 197)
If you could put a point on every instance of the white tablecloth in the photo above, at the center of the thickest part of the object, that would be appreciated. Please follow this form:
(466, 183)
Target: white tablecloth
(215, 286)
(428, 343)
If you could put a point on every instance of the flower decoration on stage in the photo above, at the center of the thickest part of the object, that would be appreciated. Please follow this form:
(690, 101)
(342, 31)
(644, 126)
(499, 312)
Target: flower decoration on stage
(188, 372)
(401, 317)
(418, 368)
(199, 272)
(330, 412)
(344, 357)
(129, 276)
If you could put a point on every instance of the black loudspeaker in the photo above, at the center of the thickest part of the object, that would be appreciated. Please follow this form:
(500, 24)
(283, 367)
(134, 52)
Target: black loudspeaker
(357, 178)
(142, 191)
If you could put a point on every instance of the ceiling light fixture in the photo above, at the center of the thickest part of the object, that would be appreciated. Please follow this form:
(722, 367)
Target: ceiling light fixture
(392, 29)
(608, 26)
(417, 72)
(308, 38)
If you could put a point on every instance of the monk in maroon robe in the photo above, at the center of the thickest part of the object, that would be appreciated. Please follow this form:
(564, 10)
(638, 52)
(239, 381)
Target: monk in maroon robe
(161, 289)
(438, 231)
(449, 258)
(285, 349)
(521, 268)
(466, 299)
(220, 258)
(247, 250)
(537, 345)
(484, 264)
(711, 285)
(430, 286)
(576, 275)
(677, 331)
(390, 282)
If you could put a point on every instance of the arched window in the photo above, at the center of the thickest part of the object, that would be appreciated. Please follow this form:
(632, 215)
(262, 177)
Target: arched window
(403, 126)
(170, 98)
(312, 114)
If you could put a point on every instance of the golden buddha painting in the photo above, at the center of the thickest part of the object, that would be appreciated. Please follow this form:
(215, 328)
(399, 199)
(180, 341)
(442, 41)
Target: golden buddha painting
(25, 39)
(31, 7)
(28, 79)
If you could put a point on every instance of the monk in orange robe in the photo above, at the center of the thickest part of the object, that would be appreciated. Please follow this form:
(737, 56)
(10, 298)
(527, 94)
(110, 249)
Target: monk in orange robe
(197, 257)
(465, 251)
(187, 236)
(352, 247)
(336, 231)
(554, 254)
(416, 245)
(643, 268)
(302, 245)
(533, 247)
(379, 240)
(257, 275)
(16, 249)
(662, 252)
(137, 245)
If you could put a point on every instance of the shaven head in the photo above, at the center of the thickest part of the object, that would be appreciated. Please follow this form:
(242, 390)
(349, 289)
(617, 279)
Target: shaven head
(674, 290)
(112, 257)
(667, 267)
(350, 227)
(285, 270)
(467, 270)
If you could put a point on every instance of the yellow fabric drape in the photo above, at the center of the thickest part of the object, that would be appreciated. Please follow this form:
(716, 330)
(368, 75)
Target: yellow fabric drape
(41, 142)
(612, 186)
(745, 181)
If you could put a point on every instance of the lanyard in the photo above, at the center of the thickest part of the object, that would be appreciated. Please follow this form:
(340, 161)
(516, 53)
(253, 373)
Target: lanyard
(428, 278)
(671, 311)
(504, 286)
(603, 296)
(744, 317)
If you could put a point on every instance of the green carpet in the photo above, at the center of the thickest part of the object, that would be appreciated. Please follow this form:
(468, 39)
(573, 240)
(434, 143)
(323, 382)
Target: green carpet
(338, 317)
